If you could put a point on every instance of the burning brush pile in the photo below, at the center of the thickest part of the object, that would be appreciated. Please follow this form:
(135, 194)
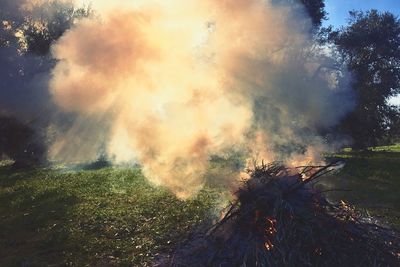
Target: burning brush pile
(280, 219)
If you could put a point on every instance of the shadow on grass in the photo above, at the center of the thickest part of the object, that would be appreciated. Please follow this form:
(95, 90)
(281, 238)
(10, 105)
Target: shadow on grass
(33, 228)
(11, 174)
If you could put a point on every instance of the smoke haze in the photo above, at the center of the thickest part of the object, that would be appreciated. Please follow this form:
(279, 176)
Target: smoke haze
(168, 84)
(25, 71)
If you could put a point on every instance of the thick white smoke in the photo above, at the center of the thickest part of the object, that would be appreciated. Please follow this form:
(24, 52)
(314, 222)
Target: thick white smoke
(170, 83)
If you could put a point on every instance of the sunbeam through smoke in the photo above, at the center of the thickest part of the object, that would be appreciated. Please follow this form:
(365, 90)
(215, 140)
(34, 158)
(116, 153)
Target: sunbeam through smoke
(170, 83)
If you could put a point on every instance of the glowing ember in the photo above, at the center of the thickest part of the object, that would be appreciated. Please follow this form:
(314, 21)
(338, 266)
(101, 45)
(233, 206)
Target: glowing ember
(271, 230)
(268, 245)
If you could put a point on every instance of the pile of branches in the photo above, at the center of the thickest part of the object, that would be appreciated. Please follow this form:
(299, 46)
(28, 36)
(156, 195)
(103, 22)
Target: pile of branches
(281, 219)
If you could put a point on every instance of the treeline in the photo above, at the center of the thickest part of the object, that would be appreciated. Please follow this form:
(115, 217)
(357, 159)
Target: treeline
(369, 46)
(27, 32)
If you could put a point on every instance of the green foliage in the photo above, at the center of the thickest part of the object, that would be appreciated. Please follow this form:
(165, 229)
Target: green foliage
(47, 23)
(34, 30)
(370, 47)
(315, 9)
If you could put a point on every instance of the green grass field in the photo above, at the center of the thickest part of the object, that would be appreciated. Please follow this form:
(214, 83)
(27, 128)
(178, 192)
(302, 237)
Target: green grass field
(106, 217)
(113, 217)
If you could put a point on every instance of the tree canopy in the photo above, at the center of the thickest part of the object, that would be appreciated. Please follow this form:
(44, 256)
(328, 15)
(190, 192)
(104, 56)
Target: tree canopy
(370, 47)
(25, 64)
(315, 9)
(33, 30)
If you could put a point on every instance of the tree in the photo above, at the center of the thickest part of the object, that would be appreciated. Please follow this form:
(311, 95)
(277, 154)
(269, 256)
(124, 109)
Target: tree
(25, 64)
(315, 9)
(47, 23)
(20, 142)
(370, 47)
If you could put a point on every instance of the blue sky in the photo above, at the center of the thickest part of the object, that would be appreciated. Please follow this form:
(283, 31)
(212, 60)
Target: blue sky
(339, 9)
(339, 12)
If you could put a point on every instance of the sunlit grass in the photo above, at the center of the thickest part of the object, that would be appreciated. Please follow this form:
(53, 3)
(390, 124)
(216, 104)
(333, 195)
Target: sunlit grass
(391, 148)
(89, 218)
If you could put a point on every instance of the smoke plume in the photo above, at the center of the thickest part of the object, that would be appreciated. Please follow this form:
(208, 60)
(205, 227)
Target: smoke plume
(168, 84)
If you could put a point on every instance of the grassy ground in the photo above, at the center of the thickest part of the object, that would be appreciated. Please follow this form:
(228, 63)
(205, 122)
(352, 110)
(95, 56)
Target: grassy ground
(113, 217)
(106, 217)
(373, 178)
